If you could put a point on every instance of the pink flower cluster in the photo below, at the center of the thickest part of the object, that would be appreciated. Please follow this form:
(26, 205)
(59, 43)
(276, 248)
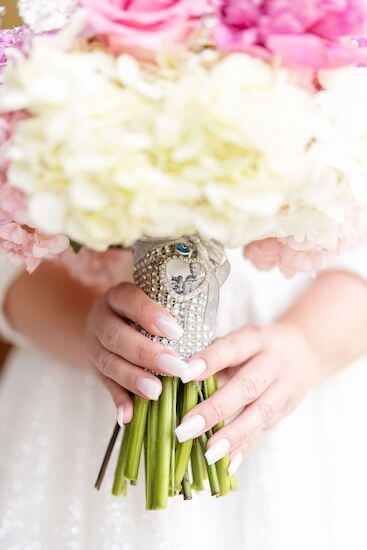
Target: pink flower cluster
(19, 243)
(303, 33)
(11, 38)
(292, 257)
(97, 269)
(271, 253)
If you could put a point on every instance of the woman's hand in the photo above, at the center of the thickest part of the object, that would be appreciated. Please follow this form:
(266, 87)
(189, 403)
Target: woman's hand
(272, 368)
(121, 354)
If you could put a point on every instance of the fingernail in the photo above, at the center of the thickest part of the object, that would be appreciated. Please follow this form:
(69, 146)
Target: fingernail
(169, 327)
(193, 369)
(120, 416)
(235, 463)
(171, 364)
(149, 388)
(190, 428)
(217, 451)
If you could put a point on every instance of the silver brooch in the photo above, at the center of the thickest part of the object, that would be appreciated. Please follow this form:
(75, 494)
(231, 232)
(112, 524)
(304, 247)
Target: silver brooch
(46, 15)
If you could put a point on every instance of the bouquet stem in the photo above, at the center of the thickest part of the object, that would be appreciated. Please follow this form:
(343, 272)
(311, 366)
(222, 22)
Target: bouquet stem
(164, 445)
(190, 399)
(210, 387)
(186, 486)
(199, 473)
(120, 482)
(212, 471)
(137, 433)
(151, 451)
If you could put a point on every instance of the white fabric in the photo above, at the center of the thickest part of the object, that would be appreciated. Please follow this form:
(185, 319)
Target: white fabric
(8, 274)
(303, 487)
(354, 262)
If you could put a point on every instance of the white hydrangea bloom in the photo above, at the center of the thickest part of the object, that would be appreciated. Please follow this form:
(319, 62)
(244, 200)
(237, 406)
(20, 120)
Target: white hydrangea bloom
(113, 151)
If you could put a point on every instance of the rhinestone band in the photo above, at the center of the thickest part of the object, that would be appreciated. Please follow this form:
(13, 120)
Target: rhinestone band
(185, 294)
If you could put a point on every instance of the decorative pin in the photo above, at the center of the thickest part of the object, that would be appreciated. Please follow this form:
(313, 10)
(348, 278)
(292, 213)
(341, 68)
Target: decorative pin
(183, 249)
(46, 15)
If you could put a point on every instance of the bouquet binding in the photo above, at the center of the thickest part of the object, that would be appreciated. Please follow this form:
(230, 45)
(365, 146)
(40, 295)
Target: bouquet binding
(184, 276)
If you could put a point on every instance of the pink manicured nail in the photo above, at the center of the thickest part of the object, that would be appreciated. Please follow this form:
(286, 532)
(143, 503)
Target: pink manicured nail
(190, 428)
(194, 369)
(171, 364)
(149, 388)
(235, 463)
(169, 327)
(217, 451)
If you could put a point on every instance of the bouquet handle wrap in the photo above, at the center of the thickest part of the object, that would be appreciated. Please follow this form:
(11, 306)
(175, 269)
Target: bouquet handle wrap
(184, 276)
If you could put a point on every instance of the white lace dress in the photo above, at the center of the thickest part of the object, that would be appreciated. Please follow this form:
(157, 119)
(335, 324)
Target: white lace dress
(304, 487)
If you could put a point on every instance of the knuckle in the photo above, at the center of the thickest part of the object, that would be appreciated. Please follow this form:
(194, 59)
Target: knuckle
(146, 313)
(143, 355)
(217, 354)
(233, 342)
(249, 387)
(111, 335)
(128, 380)
(257, 334)
(117, 293)
(105, 362)
(266, 411)
(215, 410)
(142, 310)
(239, 433)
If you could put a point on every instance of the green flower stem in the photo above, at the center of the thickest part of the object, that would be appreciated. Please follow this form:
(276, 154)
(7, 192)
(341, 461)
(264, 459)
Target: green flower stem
(120, 483)
(198, 467)
(164, 443)
(210, 387)
(186, 487)
(172, 490)
(151, 452)
(223, 476)
(138, 425)
(212, 471)
(189, 401)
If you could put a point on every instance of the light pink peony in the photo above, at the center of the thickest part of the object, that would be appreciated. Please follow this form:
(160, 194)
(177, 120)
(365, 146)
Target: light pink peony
(97, 269)
(292, 257)
(271, 253)
(18, 242)
(303, 33)
(141, 27)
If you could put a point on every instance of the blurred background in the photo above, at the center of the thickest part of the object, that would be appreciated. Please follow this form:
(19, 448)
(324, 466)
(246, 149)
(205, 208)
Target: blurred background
(10, 19)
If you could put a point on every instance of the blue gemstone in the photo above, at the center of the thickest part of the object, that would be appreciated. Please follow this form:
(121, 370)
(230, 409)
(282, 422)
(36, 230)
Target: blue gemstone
(183, 249)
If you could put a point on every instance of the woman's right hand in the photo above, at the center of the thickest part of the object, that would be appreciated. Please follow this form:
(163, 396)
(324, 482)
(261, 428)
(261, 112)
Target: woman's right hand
(122, 355)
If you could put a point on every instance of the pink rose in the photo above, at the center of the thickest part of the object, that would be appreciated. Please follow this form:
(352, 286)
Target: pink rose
(141, 27)
(303, 33)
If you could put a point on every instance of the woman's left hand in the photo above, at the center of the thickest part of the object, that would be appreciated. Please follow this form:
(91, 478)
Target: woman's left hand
(272, 369)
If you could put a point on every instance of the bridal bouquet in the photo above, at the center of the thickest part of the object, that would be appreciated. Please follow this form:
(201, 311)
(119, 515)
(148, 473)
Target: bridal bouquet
(173, 126)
